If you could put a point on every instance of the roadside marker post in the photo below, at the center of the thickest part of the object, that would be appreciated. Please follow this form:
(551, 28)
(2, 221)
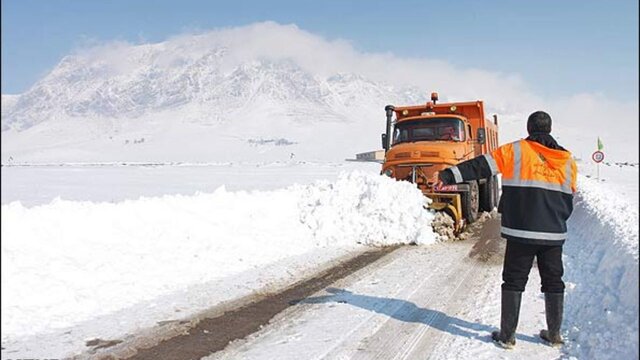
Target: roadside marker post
(597, 157)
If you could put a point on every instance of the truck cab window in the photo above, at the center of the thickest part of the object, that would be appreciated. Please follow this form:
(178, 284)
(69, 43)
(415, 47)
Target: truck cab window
(434, 129)
(400, 135)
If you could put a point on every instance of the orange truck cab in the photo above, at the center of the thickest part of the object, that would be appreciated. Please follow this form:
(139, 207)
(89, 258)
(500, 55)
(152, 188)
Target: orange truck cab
(424, 139)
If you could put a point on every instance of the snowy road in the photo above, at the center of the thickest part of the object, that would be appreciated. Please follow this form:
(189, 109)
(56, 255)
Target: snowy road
(439, 302)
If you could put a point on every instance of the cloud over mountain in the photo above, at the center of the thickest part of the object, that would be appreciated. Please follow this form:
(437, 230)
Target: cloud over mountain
(195, 96)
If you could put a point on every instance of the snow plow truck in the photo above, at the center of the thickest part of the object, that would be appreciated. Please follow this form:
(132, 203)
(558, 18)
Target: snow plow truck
(425, 139)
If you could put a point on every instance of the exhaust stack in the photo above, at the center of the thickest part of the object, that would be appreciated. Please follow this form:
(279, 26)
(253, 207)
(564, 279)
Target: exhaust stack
(387, 138)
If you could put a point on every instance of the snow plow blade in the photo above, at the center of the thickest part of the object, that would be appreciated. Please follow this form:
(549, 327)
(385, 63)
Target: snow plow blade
(451, 204)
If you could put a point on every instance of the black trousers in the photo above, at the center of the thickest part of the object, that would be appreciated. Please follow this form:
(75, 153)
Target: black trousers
(518, 260)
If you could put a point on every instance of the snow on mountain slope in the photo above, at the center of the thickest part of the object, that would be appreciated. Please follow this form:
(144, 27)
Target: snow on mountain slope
(266, 92)
(8, 102)
(191, 106)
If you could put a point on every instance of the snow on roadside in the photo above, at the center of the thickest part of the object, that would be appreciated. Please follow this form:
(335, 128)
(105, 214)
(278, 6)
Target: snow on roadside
(67, 261)
(601, 271)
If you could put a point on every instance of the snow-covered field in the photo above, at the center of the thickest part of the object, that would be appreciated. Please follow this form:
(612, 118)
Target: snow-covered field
(40, 184)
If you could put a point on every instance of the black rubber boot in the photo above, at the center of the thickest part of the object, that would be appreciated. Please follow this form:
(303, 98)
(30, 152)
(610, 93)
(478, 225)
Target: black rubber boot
(509, 313)
(553, 307)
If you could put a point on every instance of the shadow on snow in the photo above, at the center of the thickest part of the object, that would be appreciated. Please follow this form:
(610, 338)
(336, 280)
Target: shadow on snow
(408, 312)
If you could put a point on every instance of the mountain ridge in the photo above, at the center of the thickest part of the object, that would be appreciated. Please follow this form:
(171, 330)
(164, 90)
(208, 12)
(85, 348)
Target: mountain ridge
(74, 89)
(146, 102)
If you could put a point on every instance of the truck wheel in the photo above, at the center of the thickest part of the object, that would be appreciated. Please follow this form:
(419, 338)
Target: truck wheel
(489, 194)
(471, 202)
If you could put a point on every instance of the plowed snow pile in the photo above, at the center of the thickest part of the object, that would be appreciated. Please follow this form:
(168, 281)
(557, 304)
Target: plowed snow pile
(67, 261)
(601, 271)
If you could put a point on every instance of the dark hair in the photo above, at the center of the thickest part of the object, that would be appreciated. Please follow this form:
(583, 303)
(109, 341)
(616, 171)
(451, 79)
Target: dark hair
(539, 122)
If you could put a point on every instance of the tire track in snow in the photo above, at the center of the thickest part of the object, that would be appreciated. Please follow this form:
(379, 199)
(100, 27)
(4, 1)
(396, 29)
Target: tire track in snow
(401, 347)
(438, 318)
(385, 305)
(486, 249)
(387, 342)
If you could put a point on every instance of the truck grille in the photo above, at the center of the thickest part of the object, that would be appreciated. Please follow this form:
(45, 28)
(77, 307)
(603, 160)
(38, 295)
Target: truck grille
(403, 155)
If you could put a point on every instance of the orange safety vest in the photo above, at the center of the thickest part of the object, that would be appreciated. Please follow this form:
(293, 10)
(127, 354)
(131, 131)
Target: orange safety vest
(537, 191)
(529, 164)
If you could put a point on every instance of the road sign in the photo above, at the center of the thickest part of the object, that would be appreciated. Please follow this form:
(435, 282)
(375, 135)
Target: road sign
(597, 156)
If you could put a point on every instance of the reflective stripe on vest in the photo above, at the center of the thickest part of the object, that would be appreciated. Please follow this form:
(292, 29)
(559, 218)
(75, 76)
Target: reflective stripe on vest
(533, 234)
(456, 174)
(539, 184)
(567, 179)
(517, 161)
(492, 163)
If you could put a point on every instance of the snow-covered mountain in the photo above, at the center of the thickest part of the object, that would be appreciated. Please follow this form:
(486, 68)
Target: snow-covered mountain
(8, 102)
(77, 88)
(265, 92)
(162, 102)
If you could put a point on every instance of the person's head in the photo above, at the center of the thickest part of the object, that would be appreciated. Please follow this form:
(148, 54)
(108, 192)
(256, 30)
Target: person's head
(539, 122)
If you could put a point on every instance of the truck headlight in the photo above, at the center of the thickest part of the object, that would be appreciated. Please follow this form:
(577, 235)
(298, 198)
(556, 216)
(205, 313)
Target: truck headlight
(388, 172)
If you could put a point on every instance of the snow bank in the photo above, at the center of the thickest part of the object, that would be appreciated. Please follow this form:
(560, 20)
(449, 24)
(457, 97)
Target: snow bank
(365, 209)
(601, 270)
(69, 261)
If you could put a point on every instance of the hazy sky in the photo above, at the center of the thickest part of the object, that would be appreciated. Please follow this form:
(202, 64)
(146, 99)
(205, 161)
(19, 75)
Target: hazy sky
(558, 47)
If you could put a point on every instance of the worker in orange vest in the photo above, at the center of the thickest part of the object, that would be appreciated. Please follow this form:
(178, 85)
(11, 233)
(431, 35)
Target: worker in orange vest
(538, 183)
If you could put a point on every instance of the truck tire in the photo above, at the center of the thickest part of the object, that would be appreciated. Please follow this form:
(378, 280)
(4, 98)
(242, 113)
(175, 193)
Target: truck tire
(489, 194)
(471, 202)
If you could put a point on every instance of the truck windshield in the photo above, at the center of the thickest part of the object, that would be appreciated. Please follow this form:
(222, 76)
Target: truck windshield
(437, 129)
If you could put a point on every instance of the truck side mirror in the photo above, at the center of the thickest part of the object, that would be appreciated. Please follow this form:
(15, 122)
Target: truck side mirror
(482, 136)
(384, 141)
